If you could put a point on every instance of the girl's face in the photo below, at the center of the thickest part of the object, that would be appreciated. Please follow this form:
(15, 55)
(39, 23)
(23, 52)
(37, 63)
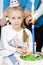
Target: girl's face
(16, 19)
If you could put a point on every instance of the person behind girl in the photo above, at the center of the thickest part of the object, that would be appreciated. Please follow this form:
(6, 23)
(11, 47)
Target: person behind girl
(16, 38)
(38, 24)
(12, 3)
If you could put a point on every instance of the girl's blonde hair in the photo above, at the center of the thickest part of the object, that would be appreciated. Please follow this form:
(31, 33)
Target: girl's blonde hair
(25, 35)
(18, 8)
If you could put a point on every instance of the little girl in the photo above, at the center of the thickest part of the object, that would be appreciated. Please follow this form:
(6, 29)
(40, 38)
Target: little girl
(16, 38)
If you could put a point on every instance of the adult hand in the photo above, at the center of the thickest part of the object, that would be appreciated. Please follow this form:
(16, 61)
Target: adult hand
(28, 20)
(3, 21)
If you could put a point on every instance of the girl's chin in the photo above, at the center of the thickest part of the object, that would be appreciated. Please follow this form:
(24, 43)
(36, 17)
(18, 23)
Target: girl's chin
(16, 27)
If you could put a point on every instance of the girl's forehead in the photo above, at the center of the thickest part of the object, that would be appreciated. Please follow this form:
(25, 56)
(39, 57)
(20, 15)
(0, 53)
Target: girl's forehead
(16, 12)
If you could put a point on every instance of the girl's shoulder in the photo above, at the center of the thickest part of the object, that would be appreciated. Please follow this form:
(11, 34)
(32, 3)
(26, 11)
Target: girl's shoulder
(6, 27)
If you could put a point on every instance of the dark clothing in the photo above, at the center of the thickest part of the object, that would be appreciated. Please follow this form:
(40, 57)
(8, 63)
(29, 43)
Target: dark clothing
(0, 31)
(39, 38)
(28, 26)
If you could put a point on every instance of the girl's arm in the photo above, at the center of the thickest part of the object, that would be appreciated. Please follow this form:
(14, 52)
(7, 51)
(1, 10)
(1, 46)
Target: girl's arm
(39, 12)
(5, 41)
(9, 49)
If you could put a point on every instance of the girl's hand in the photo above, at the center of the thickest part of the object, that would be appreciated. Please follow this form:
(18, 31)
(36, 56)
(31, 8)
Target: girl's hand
(24, 50)
(21, 50)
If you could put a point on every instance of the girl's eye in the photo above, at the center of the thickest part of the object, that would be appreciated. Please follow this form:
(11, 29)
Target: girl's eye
(13, 17)
(19, 17)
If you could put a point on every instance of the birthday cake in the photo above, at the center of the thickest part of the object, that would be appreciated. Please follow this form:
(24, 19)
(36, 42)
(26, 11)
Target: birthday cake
(31, 60)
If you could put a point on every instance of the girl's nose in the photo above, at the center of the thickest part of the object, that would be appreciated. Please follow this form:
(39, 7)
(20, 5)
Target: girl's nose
(16, 20)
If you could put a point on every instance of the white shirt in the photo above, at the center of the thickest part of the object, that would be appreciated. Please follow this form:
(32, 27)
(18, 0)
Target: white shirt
(9, 36)
(39, 12)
